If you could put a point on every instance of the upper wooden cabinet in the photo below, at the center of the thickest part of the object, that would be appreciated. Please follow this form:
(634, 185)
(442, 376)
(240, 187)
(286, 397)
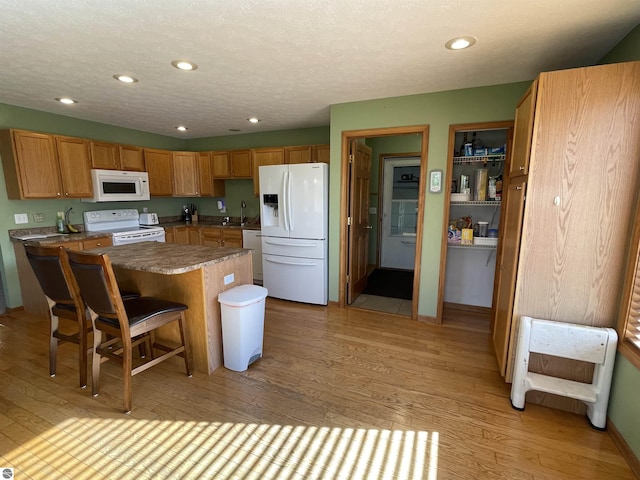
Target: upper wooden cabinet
(37, 165)
(321, 153)
(265, 156)
(299, 154)
(209, 187)
(523, 132)
(186, 179)
(111, 156)
(231, 164)
(131, 158)
(306, 154)
(105, 155)
(75, 168)
(158, 166)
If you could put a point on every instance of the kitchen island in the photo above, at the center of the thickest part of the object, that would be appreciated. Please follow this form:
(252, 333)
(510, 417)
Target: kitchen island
(190, 274)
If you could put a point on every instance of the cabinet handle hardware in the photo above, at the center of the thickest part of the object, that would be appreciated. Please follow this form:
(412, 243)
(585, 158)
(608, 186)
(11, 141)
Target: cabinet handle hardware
(519, 187)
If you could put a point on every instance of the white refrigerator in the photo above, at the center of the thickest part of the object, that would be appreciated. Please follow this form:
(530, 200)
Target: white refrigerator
(294, 219)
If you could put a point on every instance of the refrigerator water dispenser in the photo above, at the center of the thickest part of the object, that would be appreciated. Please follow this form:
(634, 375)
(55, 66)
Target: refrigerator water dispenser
(270, 209)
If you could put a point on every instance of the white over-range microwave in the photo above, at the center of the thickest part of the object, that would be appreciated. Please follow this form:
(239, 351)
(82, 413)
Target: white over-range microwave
(118, 186)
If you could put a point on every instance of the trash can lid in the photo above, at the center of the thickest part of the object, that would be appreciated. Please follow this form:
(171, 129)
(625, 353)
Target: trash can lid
(242, 295)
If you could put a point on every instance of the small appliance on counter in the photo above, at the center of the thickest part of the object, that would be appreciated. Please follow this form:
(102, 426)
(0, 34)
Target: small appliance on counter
(147, 218)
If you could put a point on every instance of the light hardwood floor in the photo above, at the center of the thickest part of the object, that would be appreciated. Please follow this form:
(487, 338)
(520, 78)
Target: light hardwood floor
(339, 393)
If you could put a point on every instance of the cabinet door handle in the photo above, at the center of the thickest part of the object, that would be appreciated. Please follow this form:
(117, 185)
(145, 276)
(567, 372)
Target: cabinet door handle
(521, 167)
(369, 227)
(519, 187)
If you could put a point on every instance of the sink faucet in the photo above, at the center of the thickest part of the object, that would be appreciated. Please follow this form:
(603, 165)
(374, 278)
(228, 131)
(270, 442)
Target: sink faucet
(243, 219)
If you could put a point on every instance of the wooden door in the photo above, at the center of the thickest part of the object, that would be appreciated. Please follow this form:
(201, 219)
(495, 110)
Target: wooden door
(205, 177)
(75, 166)
(321, 153)
(181, 235)
(37, 165)
(523, 132)
(299, 154)
(105, 155)
(221, 164)
(232, 238)
(186, 180)
(131, 158)
(506, 265)
(358, 231)
(158, 165)
(211, 236)
(240, 164)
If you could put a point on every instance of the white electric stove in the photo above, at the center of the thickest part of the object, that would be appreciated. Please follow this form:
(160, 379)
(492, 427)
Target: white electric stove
(123, 225)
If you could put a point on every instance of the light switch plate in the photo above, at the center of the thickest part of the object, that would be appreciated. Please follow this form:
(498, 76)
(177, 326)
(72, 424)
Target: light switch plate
(21, 218)
(228, 279)
(373, 210)
(38, 217)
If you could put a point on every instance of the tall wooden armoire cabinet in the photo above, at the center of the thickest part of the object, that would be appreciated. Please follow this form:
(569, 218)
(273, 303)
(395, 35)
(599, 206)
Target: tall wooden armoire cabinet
(568, 209)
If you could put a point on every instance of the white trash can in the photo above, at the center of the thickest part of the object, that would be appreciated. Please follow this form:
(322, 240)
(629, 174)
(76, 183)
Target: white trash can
(242, 309)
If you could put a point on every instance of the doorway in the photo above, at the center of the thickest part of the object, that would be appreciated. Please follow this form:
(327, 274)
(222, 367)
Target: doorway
(347, 234)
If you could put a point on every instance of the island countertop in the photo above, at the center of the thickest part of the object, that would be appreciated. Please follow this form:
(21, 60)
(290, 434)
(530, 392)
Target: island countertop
(167, 258)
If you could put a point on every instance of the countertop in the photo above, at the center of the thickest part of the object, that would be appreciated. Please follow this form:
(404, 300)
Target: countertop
(167, 258)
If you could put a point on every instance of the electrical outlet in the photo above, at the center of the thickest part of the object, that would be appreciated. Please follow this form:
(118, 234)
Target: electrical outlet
(21, 218)
(38, 217)
(228, 279)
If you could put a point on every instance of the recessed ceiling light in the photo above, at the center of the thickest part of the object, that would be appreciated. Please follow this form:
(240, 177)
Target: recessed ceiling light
(184, 65)
(125, 78)
(253, 120)
(182, 128)
(67, 100)
(460, 43)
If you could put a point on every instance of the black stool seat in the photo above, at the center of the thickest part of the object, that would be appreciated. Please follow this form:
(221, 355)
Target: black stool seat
(143, 308)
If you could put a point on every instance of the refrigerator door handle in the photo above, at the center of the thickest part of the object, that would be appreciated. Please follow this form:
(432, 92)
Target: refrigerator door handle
(271, 242)
(298, 264)
(285, 201)
(289, 210)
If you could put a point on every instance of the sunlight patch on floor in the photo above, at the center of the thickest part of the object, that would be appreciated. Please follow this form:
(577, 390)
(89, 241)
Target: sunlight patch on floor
(86, 448)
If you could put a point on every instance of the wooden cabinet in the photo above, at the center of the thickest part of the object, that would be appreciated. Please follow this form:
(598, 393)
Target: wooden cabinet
(33, 298)
(265, 156)
(112, 156)
(299, 154)
(186, 178)
(131, 158)
(105, 155)
(211, 236)
(523, 132)
(75, 168)
(38, 165)
(321, 154)
(183, 234)
(158, 166)
(221, 237)
(577, 217)
(231, 164)
(209, 187)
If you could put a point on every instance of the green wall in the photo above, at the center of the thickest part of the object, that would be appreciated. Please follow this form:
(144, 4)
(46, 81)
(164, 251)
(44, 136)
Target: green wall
(624, 407)
(438, 110)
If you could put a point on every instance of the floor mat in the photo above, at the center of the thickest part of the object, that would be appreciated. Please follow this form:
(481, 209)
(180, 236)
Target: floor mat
(390, 283)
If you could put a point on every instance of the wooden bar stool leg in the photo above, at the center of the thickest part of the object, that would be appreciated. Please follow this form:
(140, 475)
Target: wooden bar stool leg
(95, 364)
(53, 344)
(127, 367)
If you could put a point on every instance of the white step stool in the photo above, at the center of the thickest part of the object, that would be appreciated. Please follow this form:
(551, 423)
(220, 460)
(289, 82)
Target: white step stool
(566, 340)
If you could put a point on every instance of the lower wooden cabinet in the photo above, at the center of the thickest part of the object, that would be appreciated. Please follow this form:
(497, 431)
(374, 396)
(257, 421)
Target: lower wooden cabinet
(204, 235)
(33, 298)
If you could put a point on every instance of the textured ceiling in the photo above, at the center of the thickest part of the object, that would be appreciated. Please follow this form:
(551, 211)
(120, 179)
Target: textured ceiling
(284, 61)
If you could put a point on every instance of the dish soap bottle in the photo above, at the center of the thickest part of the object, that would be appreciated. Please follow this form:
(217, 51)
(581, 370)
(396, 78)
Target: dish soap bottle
(60, 227)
